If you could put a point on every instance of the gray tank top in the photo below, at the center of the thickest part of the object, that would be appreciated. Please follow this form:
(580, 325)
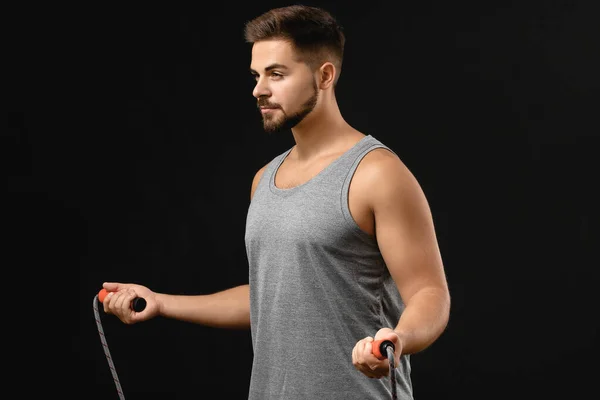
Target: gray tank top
(318, 284)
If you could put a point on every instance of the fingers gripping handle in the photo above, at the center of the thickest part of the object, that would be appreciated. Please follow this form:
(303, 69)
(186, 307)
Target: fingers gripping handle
(380, 348)
(138, 304)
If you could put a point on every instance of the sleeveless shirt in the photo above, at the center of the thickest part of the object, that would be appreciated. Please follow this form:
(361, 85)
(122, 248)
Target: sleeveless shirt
(318, 284)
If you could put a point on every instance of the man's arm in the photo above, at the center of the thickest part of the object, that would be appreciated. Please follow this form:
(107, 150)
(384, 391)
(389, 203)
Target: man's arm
(229, 308)
(406, 237)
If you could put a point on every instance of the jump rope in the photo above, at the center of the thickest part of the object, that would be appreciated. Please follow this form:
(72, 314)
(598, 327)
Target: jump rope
(138, 304)
(382, 349)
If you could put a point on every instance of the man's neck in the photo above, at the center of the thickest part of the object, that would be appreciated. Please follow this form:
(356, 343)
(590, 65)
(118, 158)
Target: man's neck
(324, 131)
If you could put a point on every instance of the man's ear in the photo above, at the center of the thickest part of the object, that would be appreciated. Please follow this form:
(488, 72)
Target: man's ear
(327, 74)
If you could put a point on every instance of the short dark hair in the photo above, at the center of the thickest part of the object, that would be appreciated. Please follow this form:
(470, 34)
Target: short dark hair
(313, 32)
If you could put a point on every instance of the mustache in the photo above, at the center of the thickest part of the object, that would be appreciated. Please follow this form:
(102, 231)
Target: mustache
(263, 102)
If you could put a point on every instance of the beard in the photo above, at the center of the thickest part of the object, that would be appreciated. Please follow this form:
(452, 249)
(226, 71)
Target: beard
(283, 121)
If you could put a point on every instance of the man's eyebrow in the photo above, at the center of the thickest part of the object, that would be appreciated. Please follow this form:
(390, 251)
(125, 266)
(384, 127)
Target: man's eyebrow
(271, 67)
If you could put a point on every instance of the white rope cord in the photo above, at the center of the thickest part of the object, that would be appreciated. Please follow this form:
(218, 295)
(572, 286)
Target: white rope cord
(381, 350)
(113, 371)
(390, 355)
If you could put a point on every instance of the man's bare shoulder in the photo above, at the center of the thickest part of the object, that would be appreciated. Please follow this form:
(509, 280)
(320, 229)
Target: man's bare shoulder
(383, 164)
(256, 179)
(382, 173)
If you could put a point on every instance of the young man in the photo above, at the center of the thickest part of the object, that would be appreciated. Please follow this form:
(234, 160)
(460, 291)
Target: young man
(339, 236)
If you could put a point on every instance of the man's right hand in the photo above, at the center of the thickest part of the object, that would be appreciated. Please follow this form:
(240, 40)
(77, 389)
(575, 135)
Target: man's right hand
(119, 298)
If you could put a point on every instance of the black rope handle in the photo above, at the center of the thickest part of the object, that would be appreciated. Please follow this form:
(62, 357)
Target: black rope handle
(381, 350)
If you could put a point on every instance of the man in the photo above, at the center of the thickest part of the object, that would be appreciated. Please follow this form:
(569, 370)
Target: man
(340, 240)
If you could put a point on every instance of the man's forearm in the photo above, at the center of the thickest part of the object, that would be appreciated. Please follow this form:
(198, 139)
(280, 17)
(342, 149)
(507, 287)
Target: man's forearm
(424, 319)
(229, 308)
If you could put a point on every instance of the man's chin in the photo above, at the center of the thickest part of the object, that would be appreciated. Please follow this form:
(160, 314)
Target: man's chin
(272, 128)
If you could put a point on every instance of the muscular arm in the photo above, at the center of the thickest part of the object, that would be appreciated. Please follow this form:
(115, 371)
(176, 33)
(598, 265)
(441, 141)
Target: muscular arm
(406, 236)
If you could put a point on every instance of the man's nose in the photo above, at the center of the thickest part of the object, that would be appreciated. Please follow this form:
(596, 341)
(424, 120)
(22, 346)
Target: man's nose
(261, 89)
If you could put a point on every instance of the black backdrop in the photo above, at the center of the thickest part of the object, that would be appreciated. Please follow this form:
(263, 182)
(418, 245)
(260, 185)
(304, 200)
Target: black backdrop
(132, 140)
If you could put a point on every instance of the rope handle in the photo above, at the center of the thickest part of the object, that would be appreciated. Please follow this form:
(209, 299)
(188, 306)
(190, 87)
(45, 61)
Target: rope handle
(381, 347)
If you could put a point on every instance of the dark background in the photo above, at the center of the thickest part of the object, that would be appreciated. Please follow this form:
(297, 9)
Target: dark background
(132, 139)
